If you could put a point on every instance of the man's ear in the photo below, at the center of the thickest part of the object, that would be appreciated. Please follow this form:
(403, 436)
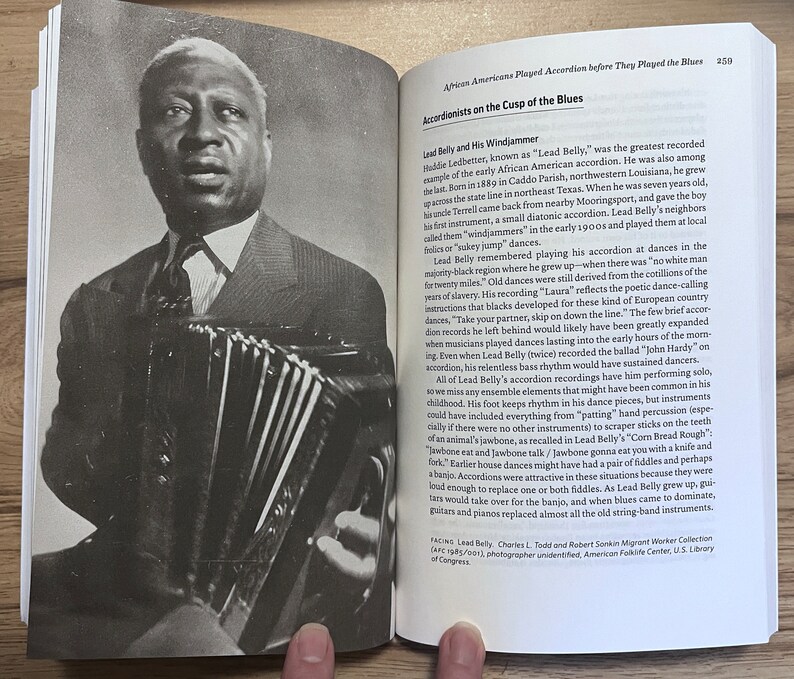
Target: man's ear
(268, 151)
(143, 150)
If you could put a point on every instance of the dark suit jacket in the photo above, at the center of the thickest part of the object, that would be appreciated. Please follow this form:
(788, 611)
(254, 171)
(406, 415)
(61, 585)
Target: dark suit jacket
(280, 279)
(93, 599)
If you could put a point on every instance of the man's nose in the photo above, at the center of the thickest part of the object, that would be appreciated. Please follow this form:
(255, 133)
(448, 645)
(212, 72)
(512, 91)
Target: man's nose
(203, 129)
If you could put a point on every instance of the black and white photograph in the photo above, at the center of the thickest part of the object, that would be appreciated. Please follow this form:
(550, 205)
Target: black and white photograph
(218, 398)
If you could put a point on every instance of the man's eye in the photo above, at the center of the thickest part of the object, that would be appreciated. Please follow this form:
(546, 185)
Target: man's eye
(232, 113)
(175, 110)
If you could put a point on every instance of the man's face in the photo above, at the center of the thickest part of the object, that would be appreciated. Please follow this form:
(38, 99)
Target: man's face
(203, 144)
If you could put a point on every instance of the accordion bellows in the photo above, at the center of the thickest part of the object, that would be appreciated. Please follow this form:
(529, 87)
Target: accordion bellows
(250, 439)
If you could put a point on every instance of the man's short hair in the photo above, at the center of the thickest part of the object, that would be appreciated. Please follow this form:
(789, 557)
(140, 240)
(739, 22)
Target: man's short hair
(201, 48)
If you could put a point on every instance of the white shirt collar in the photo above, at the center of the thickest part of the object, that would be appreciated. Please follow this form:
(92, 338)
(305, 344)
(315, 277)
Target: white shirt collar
(226, 244)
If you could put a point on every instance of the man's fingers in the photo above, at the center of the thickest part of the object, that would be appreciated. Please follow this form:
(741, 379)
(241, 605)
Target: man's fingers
(354, 566)
(363, 528)
(461, 653)
(310, 654)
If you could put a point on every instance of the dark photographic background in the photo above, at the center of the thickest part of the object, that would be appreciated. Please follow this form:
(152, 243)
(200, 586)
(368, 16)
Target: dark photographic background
(332, 113)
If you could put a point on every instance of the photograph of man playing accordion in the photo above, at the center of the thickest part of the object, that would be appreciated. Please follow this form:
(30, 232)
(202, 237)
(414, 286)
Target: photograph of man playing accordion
(214, 390)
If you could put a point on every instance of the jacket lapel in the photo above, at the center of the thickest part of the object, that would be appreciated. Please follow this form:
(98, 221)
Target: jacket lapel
(127, 286)
(264, 285)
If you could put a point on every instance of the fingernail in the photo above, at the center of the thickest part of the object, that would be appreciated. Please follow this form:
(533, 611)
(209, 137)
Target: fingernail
(465, 644)
(312, 642)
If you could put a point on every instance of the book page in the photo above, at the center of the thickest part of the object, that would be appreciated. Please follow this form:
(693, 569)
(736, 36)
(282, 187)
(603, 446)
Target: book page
(586, 347)
(215, 319)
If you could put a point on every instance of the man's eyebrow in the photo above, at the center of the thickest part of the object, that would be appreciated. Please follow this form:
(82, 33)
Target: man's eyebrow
(218, 93)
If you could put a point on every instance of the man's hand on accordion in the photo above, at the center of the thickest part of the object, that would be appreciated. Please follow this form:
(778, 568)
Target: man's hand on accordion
(363, 533)
(353, 552)
(342, 576)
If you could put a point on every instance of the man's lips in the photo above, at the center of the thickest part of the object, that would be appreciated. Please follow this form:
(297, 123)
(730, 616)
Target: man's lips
(203, 166)
(204, 174)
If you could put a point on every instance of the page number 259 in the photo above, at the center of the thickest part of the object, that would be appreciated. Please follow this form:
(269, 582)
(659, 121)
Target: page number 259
(724, 61)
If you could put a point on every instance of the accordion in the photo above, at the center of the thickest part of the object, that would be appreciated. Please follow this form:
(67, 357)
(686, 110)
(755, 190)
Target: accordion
(251, 441)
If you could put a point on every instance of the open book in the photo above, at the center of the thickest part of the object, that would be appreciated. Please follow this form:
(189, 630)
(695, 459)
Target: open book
(583, 332)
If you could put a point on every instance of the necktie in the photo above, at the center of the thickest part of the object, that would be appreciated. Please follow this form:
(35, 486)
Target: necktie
(170, 289)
